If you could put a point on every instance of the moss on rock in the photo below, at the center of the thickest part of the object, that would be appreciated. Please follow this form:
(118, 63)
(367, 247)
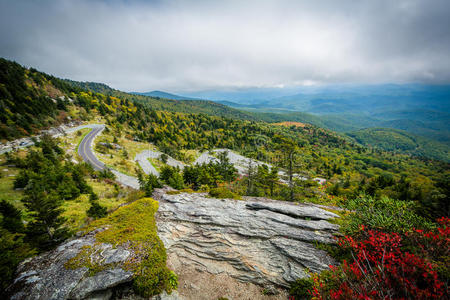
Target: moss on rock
(133, 226)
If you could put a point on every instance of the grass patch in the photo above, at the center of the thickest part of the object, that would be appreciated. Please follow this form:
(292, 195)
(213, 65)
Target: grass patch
(115, 158)
(190, 191)
(156, 163)
(7, 192)
(75, 210)
(134, 226)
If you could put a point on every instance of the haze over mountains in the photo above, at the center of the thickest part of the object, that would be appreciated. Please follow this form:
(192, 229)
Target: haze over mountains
(416, 108)
(165, 95)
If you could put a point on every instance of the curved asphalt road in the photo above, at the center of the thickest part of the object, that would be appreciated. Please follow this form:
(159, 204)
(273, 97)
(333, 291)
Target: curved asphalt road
(85, 152)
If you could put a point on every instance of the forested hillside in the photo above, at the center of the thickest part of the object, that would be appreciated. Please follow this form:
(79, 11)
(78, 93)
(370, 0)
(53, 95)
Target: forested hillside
(418, 109)
(29, 100)
(159, 103)
(402, 142)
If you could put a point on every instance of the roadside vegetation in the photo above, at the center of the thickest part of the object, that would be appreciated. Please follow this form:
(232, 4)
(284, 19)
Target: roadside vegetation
(118, 149)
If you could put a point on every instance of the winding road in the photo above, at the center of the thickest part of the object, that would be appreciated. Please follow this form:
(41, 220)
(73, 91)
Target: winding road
(86, 153)
(240, 162)
(85, 148)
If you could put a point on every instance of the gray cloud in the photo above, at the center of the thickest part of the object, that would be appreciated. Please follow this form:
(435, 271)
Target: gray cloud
(191, 45)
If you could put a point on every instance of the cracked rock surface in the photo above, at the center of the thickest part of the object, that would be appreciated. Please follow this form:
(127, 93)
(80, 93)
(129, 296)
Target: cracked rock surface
(256, 240)
(46, 276)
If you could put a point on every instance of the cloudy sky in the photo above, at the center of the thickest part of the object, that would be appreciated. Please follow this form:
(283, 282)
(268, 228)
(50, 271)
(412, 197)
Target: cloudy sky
(197, 45)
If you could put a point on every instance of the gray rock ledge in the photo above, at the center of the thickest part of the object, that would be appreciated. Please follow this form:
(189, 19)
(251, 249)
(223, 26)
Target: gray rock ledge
(257, 240)
(45, 276)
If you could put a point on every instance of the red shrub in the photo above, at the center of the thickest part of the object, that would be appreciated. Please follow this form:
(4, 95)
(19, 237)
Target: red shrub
(382, 270)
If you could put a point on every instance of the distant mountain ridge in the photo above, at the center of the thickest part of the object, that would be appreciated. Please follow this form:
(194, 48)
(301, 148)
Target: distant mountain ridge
(161, 94)
(416, 108)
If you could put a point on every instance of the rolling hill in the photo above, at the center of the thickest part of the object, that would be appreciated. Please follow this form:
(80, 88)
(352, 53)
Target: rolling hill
(168, 104)
(401, 141)
(417, 108)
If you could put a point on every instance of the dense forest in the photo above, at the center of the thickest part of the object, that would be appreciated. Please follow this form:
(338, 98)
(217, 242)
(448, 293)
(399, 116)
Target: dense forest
(391, 195)
(163, 104)
(402, 142)
(29, 100)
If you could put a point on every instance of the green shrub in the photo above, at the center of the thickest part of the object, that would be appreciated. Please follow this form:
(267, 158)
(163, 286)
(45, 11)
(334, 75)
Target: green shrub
(383, 214)
(11, 217)
(172, 281)
(223, 192)
(336, 252)
(149, 185)
(299, 289)
(96, 210)
(12, 251)
(106, 174)
(172, 177)
(176, 181)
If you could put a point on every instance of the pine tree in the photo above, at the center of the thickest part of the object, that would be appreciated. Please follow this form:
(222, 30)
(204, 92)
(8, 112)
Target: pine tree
(272, 179)
(46, 229)
(150, 184)
(12, 217)
(96, 210)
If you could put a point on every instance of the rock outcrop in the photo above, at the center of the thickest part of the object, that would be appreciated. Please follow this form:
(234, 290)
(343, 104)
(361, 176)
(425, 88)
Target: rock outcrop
(47, 276)
(262, 241)
(219, 247)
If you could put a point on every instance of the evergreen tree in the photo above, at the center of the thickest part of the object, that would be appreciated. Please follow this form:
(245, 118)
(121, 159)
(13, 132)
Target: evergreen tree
(176, 181)
(96, 210)
(290, 150)
(12, 217)
(225, 168)
(150, 184)
(164, 157)
(46, 229)
(272, 180)
(250, 177)
(172, 177)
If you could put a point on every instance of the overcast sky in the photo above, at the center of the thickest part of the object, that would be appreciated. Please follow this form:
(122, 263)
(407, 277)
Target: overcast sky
(196, 45)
